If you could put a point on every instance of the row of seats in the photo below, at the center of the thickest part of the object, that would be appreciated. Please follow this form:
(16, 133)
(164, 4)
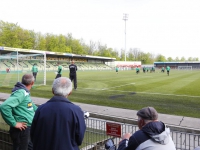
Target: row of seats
(50, 65)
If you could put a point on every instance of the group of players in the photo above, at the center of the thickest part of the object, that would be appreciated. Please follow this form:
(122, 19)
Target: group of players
(146, 69)
(72, 72)
(167, 68)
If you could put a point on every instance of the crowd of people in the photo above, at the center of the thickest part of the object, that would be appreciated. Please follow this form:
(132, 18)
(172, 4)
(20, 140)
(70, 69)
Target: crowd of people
(59, 124)
(152, 69)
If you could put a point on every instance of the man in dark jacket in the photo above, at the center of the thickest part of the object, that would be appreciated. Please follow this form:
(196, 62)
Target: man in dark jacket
(153, 134)
(58, 124)
(72, 74)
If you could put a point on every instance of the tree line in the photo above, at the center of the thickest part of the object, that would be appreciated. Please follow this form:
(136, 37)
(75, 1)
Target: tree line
(12, 35)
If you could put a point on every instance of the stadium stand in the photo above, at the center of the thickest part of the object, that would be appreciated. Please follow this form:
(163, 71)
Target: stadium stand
(175, 65)
(51, 65)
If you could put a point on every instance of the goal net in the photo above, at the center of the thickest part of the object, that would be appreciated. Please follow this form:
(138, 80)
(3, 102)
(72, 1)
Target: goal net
(14, 65)
(184, 67)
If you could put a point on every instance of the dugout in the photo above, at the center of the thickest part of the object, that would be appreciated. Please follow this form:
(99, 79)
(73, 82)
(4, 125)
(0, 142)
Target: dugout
(176, 65)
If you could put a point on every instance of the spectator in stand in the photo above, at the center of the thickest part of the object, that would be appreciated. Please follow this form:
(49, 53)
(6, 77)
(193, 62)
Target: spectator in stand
(58, 124)
(18, 111)
(153, 134)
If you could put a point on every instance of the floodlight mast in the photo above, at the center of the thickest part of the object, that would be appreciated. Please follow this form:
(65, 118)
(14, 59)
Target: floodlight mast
(125, 18)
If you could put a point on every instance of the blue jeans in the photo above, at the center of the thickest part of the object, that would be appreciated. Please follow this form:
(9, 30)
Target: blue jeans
(20, 139)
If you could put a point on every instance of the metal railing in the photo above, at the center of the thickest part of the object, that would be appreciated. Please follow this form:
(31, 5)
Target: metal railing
(96, 136)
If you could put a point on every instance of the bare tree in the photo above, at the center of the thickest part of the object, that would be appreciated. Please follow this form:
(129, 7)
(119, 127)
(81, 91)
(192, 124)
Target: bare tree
(92, 47)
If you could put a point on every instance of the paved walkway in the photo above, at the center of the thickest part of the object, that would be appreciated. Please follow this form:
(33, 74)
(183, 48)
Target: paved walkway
(178, 121)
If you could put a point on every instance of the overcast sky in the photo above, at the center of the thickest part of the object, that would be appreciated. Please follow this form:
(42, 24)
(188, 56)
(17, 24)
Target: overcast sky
(167, 27)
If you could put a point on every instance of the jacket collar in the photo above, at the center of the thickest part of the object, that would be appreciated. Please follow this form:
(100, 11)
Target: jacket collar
(59, 99)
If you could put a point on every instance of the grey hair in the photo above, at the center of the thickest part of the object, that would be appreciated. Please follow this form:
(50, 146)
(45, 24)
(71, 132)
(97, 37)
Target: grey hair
(27, 79)
(62, 86)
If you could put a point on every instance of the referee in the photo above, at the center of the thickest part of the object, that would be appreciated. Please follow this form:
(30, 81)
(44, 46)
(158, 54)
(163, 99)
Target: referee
(72, 73)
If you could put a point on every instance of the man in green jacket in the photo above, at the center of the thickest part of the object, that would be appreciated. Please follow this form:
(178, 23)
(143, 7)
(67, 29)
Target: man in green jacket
(18, 112)
(34, 71)
(59, 72)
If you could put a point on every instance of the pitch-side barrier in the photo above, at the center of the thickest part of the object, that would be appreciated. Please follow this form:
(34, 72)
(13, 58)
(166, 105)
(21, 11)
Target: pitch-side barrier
(99, 130)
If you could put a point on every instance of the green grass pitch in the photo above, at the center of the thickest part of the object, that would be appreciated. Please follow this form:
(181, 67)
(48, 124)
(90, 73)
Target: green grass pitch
(176, 94)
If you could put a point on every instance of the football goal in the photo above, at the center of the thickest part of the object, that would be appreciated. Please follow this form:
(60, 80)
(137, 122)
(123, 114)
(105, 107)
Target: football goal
(14, 65)
(184, 67)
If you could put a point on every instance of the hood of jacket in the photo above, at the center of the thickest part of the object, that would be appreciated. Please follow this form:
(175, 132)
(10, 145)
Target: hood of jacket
(157, 131)
(19, 86)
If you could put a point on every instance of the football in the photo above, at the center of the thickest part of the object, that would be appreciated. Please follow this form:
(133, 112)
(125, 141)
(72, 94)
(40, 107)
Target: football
(56, 72)
(86, 114)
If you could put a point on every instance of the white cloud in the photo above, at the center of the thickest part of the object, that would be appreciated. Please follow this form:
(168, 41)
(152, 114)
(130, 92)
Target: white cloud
(168, 27)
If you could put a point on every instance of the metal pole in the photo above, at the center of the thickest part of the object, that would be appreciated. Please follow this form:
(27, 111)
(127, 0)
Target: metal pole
(125, 41)
(45, 58)
(125, 18)
(17, 67)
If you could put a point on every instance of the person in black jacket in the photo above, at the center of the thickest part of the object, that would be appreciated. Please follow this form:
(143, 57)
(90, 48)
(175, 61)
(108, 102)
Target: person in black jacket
(58, 124)
(72, 73)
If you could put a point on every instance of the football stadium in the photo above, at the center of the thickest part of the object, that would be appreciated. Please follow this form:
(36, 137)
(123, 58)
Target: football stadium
(176, 94)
